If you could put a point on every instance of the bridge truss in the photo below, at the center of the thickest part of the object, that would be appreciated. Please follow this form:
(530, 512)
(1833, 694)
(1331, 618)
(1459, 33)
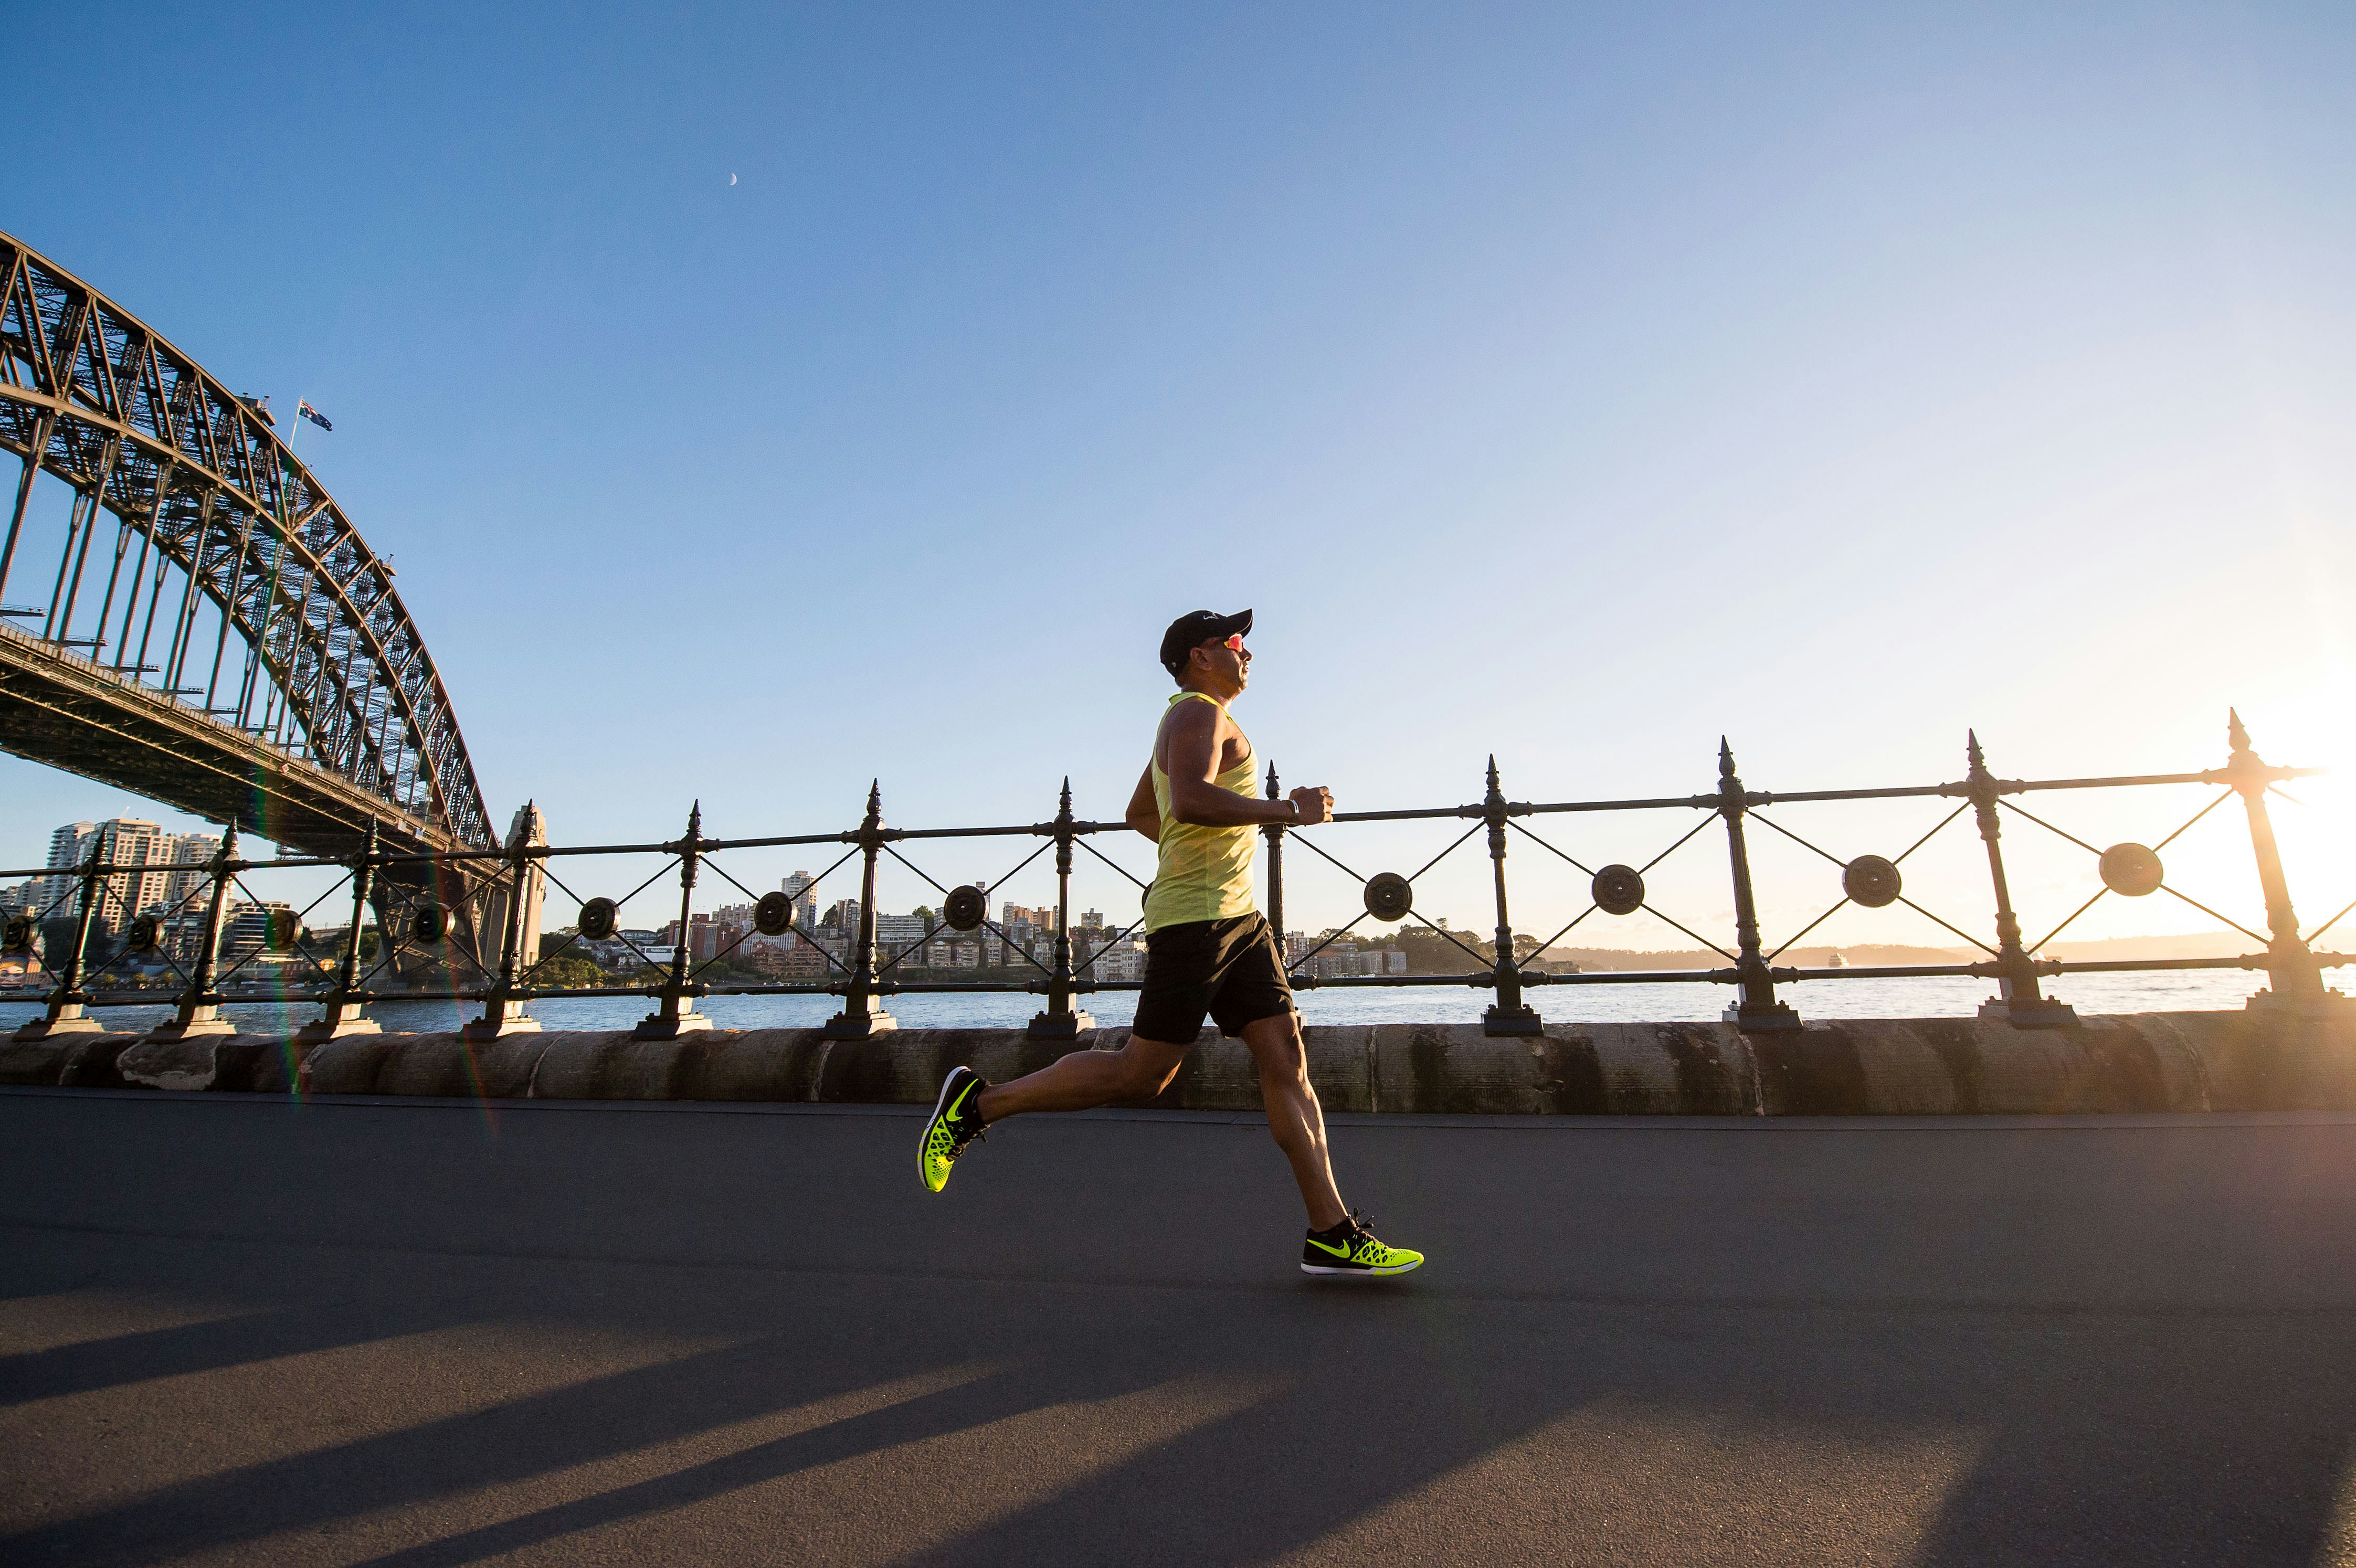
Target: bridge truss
(208, 589)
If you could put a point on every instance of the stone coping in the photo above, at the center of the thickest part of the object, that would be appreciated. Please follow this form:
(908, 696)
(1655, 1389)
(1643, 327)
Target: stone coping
(2251, 1061)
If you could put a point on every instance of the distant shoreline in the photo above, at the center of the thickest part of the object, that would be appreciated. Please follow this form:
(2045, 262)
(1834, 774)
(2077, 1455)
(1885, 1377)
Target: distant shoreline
(2199, 944)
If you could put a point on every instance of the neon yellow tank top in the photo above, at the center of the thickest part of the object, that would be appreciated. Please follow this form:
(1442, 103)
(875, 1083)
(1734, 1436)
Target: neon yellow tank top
(1201, 873)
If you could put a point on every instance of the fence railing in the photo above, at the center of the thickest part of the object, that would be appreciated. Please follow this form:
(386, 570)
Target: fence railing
(412, 929)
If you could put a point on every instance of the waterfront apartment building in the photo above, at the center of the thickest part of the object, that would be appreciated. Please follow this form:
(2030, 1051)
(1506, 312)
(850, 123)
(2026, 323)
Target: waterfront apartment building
(1343, 961)
(895, 931)
(177, 875)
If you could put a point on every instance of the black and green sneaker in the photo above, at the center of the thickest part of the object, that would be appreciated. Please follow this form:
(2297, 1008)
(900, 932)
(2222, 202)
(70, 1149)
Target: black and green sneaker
(954, 1126)
(1350, 1248)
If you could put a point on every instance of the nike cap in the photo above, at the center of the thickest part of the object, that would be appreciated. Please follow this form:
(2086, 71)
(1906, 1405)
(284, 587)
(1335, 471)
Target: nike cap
(1194, 628)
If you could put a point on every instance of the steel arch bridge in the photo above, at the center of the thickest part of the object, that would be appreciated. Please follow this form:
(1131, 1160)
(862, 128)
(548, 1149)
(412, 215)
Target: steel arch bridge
(234, 647)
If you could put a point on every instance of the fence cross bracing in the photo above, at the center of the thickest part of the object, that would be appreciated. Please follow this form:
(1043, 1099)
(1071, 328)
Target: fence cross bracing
(864, 966)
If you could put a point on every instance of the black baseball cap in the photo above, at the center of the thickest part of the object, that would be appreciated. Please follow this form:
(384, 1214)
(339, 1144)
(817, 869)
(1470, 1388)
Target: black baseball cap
(1194, 628)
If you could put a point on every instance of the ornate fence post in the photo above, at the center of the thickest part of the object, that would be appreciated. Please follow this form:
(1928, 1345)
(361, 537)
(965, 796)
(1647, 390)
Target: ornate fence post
(2018, 1000)
(1062, 1021)
(2294, 978)
(860, 1017)
(503, 1012)
(69, 1005)
(1274, 833)
(1755, 1006)
(198, 1012)
(343, 1013)
(675, 1014)
(1508, 1014)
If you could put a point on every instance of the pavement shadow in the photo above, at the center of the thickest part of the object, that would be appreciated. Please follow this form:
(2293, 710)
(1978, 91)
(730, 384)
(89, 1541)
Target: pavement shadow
(211, 1345)
(604, 1418)
(2123, 1438)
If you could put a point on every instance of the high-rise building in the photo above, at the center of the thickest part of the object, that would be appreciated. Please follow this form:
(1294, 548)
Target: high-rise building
(186, 890)
(69, 846)
(123, 896)
(796, 888)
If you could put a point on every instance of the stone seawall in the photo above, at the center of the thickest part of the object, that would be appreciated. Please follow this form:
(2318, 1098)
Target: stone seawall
(2144, 1062)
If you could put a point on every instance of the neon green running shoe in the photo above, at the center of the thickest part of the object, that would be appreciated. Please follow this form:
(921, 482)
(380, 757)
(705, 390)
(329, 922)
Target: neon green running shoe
(953, 1127)
(1350, 1248)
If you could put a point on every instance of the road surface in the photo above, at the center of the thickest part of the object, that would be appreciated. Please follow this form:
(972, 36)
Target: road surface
(235, 1330)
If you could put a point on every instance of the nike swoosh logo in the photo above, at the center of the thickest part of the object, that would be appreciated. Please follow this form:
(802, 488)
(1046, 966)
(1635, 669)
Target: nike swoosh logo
(1341, 1252)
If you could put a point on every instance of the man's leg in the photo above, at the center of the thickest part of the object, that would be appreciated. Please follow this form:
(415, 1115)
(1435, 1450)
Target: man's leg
(1084, 1079)
(1294, 1118)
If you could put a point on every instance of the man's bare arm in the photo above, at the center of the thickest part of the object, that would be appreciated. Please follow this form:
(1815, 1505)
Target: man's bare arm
(1195, 796)
(1144, 815)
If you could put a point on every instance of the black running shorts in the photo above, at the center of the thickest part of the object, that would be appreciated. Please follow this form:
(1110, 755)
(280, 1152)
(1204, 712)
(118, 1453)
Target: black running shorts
(1227, 968)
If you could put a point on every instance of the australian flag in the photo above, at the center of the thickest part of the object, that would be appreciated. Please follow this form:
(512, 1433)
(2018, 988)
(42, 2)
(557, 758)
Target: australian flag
(313, 415)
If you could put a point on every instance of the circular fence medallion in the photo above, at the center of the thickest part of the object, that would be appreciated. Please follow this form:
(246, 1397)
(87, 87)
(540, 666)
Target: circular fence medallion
(1872, 880)
(428, 924)
(963, 908)
(20, 936)
(600, 916)
(2131, 870)
(146, 934)
(1617, 890)
(1389, 896)
(773, 914)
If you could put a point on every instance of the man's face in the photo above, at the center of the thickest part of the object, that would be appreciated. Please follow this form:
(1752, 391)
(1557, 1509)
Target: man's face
(1228, 660)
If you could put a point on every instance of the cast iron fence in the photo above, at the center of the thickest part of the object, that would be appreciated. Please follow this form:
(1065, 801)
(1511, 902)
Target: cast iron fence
(411, 926)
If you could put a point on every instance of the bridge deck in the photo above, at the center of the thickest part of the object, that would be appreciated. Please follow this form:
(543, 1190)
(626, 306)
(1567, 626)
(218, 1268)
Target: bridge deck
(237, 1331)
(64, 711)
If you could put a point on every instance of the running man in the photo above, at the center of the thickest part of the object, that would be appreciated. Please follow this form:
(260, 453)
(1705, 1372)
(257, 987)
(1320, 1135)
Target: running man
(1207, 949)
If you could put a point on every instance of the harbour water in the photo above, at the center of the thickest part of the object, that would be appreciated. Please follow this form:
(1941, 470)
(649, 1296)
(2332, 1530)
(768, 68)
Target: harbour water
(1943, 996)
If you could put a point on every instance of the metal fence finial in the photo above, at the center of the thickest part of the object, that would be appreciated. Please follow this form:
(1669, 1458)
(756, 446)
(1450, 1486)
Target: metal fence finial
(344, 1008)
(1509, 1015)
(2294, 980)
(2019, 1000)
(198, 1011)
(1062, 1019)
(1755, 1006)
(675, 1012)
(860, 1017)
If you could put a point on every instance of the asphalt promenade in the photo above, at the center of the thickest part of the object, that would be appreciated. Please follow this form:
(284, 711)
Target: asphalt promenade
(235, 1330)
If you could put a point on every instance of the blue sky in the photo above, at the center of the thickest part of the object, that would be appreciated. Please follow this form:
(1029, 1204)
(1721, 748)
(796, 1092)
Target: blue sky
(1575, 385)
